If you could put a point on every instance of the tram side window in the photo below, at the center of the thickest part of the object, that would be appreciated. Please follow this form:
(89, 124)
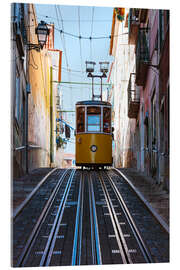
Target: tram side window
(80, 119)
(106, 120)
(93, 119)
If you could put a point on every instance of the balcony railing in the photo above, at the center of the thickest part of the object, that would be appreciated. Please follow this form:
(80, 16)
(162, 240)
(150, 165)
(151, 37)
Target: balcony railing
(133, 25)
(142, 57)
(133, 97)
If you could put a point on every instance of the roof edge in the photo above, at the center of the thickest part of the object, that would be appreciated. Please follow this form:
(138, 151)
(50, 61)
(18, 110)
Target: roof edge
(112, 32)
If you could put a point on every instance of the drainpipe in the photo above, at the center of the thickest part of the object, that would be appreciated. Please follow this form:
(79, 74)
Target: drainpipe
(26, 127)
(51, 118)
(51, 104)
(28, 91)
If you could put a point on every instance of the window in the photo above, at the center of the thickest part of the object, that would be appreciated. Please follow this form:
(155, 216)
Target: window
(17, 103)
(161, 27)
(93, 119)
(146, 123)
(93, 122)
(80, 119)
(106, 120)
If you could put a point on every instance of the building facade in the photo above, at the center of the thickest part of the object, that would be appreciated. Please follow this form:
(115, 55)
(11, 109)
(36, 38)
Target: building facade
(123, 65)
(19, 86)
(34, 94)
(147, 102)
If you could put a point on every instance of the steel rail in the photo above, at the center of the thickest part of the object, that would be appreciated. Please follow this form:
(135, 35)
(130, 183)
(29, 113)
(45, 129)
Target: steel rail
(92, 224)
(126, 258)
(76, 253)
(17, 211)
(47, 254)
(81, 222)
(96, 249)
(34, 233)
(131, 223)
(148, 206)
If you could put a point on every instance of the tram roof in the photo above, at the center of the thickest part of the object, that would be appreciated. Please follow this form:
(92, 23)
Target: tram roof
(93, 102)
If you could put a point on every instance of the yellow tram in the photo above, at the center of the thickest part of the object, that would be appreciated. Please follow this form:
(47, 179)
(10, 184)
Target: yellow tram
(93, 134)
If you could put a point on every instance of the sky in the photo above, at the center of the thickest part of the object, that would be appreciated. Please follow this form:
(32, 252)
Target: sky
(84, 22)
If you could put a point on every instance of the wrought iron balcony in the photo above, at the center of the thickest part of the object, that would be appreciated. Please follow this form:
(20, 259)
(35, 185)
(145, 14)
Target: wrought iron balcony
(142, 57)
(133, 25)
(135, 17)
(133, 97)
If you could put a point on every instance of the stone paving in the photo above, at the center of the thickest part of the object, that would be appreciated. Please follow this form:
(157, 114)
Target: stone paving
(22, 187)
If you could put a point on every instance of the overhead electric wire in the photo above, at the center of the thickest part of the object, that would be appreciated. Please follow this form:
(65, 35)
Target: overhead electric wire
(91, 32)
(69, 74)
(80, 38)
(50, 17)
(73, 75)
(63, 40)
(83, 37)
(70, 70)
(80, 47)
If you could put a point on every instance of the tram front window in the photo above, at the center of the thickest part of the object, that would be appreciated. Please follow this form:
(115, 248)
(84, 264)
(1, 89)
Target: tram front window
(94, 123)
(93, 119)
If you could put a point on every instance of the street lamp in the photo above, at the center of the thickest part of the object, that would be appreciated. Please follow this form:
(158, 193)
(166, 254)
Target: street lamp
(90, 69)
(42, 32)
(104, 66)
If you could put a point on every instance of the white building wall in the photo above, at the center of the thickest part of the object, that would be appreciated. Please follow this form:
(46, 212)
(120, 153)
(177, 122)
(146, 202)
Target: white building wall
(124, 64)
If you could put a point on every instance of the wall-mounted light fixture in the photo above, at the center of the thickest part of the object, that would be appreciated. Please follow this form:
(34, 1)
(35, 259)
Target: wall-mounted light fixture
(42, 32)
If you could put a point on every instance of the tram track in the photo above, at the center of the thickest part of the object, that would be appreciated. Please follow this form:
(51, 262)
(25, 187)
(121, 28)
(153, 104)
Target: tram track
(86, 182)
(95, 242)
(152, 230)
(129, 245)
(123, 250)
(87, 220)
(130, 223)
(148, 206)
(25, 253)
(48, 252)
(18, 210)
(26, 216)
(76, 253)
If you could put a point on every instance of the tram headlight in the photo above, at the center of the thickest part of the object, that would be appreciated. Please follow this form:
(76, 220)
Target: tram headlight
(93, 148)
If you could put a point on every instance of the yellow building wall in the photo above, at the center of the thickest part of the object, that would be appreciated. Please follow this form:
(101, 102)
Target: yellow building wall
(39, 101)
